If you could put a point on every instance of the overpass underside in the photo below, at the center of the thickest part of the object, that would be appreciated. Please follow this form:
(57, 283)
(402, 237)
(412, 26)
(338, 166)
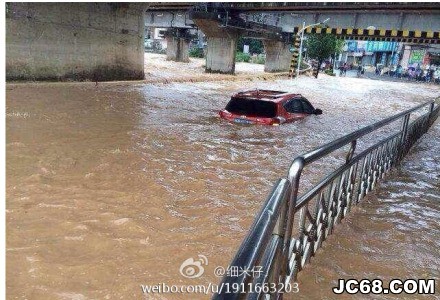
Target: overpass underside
(222, 37)
(405, 36)
(277, 24)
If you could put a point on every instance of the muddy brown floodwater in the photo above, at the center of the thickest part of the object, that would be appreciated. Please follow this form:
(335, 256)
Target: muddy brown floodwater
(113, 186)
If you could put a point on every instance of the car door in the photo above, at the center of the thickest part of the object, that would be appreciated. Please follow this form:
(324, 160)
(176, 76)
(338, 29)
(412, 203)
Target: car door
(294, 109)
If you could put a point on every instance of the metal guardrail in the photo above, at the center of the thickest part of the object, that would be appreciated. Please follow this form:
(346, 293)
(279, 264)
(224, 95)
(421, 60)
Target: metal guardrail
(282, 249)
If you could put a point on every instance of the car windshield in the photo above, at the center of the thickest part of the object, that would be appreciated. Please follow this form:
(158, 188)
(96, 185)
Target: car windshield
(254, 108)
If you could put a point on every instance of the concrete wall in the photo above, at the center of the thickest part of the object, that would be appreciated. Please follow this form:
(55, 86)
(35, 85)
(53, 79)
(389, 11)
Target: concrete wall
(79, 41)
(222, 44)
(168, 19)
(278, 56)
(220, 55)
(177, 49)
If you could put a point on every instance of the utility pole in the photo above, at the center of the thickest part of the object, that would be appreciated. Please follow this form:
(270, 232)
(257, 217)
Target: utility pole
(302, 38)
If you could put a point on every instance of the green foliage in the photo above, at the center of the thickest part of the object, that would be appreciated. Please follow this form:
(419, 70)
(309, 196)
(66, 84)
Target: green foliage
(339, 45)
(255, 46)
(329, 72)
(322, 46)
(242, 57)
(258, 59)
(196, 52)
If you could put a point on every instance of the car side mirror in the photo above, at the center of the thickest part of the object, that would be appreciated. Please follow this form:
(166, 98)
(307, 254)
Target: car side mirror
(318, 111)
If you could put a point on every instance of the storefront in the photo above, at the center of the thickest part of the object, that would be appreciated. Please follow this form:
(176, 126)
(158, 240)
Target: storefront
(384, 53)
(432, 57)
(370, 53)
(417, 55)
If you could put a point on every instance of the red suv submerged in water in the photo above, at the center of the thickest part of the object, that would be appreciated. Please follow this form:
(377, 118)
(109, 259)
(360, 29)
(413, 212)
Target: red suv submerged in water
(267, 108)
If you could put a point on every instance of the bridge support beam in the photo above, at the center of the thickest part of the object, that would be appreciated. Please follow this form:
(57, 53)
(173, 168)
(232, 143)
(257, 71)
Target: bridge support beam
(220, 55)
(278, 56)
(222, 43)
(178, 45)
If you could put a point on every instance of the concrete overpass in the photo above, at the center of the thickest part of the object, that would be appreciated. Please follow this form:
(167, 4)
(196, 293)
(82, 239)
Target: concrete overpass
(275, 23)
(104, 41)
(422, 16)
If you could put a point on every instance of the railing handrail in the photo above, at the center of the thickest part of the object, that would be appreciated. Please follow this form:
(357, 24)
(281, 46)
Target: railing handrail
(262, 227)
(313, 191)
(321, 151)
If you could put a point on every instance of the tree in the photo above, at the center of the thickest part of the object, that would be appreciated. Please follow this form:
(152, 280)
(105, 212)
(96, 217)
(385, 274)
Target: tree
(255, 46)
(322, 46)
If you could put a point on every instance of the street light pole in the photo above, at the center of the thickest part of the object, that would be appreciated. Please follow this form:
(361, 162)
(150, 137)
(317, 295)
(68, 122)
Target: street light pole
(300, 48)
(302, 38)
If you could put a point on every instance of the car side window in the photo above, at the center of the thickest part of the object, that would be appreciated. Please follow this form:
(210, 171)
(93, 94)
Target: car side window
(294, 106)
(308, 108)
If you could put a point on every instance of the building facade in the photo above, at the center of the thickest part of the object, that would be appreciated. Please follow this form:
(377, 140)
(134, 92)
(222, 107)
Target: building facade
(372, 53)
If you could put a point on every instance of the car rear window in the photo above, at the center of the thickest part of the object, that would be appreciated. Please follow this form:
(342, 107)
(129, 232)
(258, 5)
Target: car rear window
(255, 108)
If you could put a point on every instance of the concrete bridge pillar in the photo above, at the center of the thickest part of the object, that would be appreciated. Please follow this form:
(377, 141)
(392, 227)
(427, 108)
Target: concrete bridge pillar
(220, 55)
(278, 56)
(178, 45)
(222, 43)
(74, 41)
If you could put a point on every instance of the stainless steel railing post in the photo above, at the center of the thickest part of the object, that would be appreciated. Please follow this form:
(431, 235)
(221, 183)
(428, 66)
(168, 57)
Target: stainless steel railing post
(351, 151)
(431, 112)
(293, 176)
(278, 273)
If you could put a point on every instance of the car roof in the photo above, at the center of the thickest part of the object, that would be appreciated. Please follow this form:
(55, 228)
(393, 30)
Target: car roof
(265, 95)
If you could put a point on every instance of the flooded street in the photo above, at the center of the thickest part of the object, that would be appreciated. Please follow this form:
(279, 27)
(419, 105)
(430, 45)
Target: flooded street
(159, 70)
(115, 185)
